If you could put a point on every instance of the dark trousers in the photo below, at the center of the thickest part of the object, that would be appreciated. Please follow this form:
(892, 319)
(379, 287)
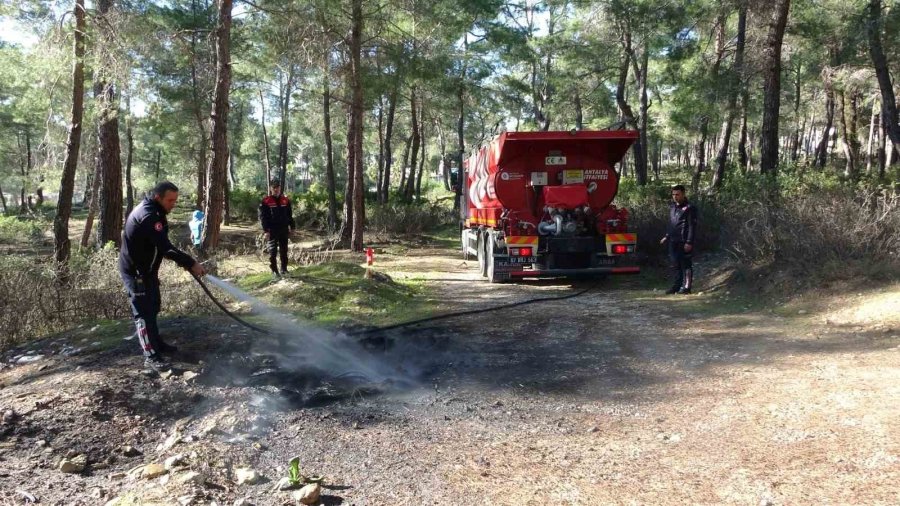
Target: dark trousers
(682, 266)
(143, 294)
(278, 246)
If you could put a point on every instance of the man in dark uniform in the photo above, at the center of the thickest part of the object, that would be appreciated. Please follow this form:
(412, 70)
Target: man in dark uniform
(145, 243)
(277, 222)
(680, 238)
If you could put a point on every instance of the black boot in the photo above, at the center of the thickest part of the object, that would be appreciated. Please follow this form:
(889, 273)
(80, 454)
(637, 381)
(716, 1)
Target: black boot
(156, 363)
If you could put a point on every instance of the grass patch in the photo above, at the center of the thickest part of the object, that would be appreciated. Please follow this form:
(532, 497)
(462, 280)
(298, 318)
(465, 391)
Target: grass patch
(729, 300)
(339, 293)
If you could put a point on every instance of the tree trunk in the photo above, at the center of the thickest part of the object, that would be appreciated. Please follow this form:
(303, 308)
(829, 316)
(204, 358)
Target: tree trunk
(158, 163)
(218, 166)
(198, 115)
(743, 156)
(234, 154)
(129, 185)
(460, 125)
(821, 155)
(109, 226)
(404, 164)
(703, 148)
(579, 111)
(285, 126)
(62, 245)
(3, 200)
(772, 88)
(882, 148)
(625, 111)
(388, 147)
(346, 232)
(93, 206)
(424, 156)
(737, 82)
(795, 137)
(888, 102)
(700, 149)
(329, 149)
(266, 155)
(849, 133)
(641, 146)
(442, 146)
(356, 110)
(380, 180)
(871, 140)
(414, 155)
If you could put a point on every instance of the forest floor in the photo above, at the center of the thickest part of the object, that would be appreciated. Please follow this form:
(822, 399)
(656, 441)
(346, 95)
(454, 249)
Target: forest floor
(621, 395)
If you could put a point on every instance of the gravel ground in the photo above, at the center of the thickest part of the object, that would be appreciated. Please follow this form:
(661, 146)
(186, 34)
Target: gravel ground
(618, 396)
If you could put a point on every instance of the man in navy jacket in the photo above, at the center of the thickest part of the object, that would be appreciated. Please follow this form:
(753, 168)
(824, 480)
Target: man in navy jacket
(277, 222)
(680, 234)
(145, 242)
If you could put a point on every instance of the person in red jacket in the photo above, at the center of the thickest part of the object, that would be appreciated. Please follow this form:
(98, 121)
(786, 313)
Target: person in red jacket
(277, 222)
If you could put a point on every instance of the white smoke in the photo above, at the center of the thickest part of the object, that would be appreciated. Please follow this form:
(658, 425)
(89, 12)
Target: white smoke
(299, 345)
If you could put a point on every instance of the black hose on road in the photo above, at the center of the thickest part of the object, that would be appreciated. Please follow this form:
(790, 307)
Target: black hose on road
(403, 324)
(471, 312)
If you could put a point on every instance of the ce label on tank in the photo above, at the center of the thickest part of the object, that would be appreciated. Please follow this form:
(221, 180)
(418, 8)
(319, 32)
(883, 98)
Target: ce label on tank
(555, 160)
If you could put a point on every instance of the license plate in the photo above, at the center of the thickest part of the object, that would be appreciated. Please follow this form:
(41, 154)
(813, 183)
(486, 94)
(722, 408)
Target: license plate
(522, 260)
(516, 261)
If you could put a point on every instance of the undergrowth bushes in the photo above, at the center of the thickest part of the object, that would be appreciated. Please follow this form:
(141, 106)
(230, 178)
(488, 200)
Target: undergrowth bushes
(814, 226)
(33, 301)
(14, 229)
(407, 218)
(245, 203)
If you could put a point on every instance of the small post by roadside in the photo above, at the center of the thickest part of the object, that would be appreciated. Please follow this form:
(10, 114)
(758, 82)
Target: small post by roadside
(370, 261)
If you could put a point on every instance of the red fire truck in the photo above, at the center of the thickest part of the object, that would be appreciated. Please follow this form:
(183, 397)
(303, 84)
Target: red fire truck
(540, 204)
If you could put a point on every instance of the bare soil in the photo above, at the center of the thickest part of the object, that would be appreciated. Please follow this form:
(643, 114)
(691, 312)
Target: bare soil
(620, 395)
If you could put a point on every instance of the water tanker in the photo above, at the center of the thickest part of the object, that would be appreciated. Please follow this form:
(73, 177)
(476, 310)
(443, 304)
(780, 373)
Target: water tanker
(537, 204)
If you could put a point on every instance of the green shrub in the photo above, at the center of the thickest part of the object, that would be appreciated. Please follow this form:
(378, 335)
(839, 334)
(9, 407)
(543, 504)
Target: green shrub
(397, 218)
(18, 229)
(245, 203)
(311, 207)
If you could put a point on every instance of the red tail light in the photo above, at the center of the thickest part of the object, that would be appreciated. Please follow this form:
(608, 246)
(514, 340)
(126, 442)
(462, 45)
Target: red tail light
(525, 252)
(619, 249)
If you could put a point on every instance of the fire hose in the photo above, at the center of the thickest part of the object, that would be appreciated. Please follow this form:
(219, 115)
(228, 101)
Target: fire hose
(224, 309)
(402, 324)
(472, 311)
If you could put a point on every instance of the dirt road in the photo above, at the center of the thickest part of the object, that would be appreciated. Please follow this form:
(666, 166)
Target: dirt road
(618, 396)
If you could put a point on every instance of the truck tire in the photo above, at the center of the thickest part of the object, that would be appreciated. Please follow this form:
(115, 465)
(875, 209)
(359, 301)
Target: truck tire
(463, 239)
(482, 257)
(491, 268)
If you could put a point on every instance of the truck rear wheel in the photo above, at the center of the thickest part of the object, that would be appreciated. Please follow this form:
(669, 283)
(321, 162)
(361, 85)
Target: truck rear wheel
(482, 257)
(463, 240)
(491, 270)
